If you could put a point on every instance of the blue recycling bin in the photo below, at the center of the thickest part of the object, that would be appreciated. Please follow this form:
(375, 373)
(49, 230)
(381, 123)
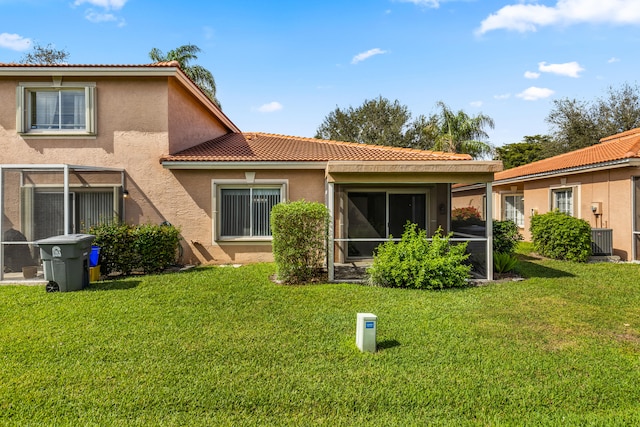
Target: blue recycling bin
(65, 261)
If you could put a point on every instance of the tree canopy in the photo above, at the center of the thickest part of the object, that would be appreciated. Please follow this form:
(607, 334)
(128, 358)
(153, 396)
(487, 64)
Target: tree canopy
(532, 149)
(576, 124)
(45, 55)
(458, 132)
(202, 77)
(377, 121)
(382, 122)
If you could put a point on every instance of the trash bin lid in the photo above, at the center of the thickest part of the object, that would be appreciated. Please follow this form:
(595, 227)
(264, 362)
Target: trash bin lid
(68, 239)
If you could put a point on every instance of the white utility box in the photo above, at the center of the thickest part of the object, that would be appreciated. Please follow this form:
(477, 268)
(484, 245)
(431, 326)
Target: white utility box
(366, 332)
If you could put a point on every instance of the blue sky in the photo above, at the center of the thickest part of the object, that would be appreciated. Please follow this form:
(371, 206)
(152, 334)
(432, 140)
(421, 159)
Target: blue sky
(282, 66)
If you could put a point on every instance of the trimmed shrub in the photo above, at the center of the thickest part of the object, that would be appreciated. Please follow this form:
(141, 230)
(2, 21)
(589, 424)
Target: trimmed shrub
(299, 231)
(117, 253)
(419, 263)
(505, 236)
(156, 246)
(561, 236)
(125, 248)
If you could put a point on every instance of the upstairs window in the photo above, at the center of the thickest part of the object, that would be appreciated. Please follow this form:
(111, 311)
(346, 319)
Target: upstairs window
(49, 110)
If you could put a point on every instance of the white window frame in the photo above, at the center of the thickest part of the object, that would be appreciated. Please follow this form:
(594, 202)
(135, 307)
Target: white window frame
(553, 201)
(23, 108)
(220, 184)
(519, 220)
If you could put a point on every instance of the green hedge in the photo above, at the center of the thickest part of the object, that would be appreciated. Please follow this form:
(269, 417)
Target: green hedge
(126, 248)
(299, 231)
(416, 262)
(560, 236)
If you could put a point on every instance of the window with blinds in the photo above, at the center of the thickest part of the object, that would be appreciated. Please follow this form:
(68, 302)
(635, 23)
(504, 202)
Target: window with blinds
(87, 208)
(245, 212)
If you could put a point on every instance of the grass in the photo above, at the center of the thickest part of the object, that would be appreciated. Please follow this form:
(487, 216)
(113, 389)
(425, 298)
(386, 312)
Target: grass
(224, 346)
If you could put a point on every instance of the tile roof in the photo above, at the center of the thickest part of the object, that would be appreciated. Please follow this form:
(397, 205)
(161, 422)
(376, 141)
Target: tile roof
(151, 65)
(617, 147)
(264, 147)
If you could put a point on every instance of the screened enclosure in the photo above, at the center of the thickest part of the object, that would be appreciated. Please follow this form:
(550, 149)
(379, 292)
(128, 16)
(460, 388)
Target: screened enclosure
(40, 201)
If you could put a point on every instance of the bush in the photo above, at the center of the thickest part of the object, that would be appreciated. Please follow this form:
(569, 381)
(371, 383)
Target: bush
(416, 262)
(156, 246)
(465, 214)
(505, 236)
(560, 236)
(299, 231)
(117, 252)
(125, 248)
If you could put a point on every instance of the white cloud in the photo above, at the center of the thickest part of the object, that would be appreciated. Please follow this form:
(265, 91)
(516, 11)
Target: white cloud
(366, 55)
(534, 93)
(208, 32)
(427, 3)
(569, 69)
(531, 75)
(613, 59)
(476, 104)
(106, 4)
(502, 96)
(525, 17)
(97, 17)
(271, 107)
(14, 41)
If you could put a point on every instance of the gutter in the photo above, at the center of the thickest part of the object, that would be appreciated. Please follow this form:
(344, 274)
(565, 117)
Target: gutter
(195, 165)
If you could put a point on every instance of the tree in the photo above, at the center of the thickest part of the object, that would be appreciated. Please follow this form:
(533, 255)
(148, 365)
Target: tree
(378, 122)
(532, 149)
(576, 124)
(45, 55)
(457, 132)
(202, 77)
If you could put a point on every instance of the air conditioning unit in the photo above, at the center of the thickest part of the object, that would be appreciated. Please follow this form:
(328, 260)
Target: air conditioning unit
(601, 241)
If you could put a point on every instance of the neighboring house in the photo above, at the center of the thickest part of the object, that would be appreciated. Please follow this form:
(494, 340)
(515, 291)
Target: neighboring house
(83, 144)
(600, 184)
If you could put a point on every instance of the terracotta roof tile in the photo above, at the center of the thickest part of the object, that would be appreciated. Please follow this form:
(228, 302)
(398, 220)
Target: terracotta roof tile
(263, 147)
(616, 147)
(151, 65)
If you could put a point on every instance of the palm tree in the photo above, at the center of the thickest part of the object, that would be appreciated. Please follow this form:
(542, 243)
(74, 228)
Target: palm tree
(459, 133)
(200, 75)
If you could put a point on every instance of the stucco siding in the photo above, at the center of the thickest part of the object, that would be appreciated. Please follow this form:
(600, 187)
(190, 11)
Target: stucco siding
(189, 122)
(187, 202)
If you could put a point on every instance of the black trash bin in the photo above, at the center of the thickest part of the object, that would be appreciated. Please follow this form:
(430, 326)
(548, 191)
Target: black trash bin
(65, 261)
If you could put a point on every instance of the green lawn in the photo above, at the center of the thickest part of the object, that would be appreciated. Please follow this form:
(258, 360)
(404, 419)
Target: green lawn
(225, 346)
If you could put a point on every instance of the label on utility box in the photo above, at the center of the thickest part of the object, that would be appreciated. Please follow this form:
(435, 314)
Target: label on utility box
(369, 325)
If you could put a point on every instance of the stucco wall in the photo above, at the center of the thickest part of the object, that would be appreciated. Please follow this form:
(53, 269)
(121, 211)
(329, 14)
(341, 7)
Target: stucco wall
(137, 118)
(188, 204)
(612, 189)
(189, 122)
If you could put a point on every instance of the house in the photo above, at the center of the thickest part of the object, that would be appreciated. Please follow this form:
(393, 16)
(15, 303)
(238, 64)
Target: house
(83, 144)
(600, 184)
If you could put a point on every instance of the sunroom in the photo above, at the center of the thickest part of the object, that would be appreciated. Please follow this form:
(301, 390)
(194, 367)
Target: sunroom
(372, 201)
(40, 201)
